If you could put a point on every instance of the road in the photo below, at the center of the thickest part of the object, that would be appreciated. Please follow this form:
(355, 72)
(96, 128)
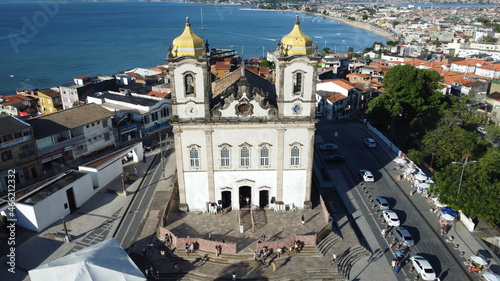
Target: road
(128, 229)
(422, 224)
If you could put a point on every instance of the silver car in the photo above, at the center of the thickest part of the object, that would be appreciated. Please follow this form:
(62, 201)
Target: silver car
(381, 203)
(403, 236)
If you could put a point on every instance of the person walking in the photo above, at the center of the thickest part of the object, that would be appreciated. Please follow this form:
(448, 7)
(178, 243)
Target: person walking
(279, 251)
(255, 255)
(334, 258)
(303, 219)
(135, 170)
(234, 276)
(162, 254)
(393, 264)
(383, 232)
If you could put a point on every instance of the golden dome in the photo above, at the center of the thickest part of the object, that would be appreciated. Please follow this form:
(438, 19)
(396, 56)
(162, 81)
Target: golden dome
(188, 43)
(296, 42)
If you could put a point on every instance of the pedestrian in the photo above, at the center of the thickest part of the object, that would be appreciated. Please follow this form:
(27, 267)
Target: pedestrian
(191, 248)
(135, 170)
(255, 255)
(210, 236)
(264, 263)
(279, 251)
(162, 254)
(393, 264)
(186, 248)
(303, 220)
(234, 276)
(263, 238)
(273, 263)
(334, 258)
(383, 232)
(216, 250)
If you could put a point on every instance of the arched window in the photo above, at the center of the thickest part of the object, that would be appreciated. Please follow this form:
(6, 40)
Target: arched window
(224, 157)
(194, 158)
(245, 157)
(264, 156)
(189, 85)
(295, 156)
(297, 83)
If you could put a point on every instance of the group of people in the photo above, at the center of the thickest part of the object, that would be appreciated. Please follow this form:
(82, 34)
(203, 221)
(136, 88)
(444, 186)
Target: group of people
(189, 248)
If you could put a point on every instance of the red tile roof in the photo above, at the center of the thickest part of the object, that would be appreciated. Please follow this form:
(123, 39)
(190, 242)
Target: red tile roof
(336, 97)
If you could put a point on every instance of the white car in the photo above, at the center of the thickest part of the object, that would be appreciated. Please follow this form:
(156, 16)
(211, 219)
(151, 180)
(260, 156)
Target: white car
(423, 268)
(328, 146)
(369, 142)
(366, 175)
(391, 218)
(381, 202)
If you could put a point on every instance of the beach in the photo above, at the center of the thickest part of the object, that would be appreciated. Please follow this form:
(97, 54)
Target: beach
(357, 24)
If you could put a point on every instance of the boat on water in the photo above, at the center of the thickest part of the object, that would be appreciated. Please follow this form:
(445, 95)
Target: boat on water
(318, 36)
(339, 33)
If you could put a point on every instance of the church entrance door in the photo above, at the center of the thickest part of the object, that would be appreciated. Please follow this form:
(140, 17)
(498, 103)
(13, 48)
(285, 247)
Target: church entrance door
(263, 198)
(226, 199)
(245, 196)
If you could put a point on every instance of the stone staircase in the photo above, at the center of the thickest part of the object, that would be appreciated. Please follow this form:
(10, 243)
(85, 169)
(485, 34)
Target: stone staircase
(349, 258)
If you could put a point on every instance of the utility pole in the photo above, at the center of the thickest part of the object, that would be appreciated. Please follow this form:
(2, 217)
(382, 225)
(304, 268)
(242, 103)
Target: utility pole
(462, 173)
(161, 158)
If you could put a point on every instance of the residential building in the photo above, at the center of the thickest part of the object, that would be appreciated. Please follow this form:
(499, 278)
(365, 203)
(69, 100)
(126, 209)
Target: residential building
(69, 136)
(84, 86)
(18, 152)
(338, 97)
(136, 116)
(18, 105)
(243, 140)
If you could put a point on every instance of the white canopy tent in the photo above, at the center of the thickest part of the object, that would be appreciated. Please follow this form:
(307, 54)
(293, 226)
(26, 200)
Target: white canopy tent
(104, 261)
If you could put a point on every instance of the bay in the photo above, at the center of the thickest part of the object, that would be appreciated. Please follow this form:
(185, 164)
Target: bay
(45, 44)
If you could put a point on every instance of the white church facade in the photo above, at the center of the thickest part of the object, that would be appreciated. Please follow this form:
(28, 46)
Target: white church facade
(242, 139)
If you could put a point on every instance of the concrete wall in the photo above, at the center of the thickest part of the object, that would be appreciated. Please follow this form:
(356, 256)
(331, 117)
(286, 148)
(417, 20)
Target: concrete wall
(41, 215)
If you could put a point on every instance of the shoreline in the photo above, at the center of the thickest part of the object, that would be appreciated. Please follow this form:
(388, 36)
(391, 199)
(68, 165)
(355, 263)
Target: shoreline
(356, 24)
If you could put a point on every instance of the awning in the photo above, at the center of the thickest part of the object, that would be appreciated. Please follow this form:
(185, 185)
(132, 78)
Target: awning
(479, 260)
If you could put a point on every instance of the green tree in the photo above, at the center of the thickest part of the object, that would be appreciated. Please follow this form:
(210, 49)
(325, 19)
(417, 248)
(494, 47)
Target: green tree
(395, 23)
(364, 17)
(265, 63)
(350, 50)
(392, 43)
(415, 92)
(490, 39)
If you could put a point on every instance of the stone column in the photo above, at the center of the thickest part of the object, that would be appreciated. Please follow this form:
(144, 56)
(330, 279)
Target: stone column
(309, 167)
(176, 130)
(279, 165)
(210, 165)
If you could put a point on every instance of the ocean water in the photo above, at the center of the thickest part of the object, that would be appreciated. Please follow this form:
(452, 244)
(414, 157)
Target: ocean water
(45, 44)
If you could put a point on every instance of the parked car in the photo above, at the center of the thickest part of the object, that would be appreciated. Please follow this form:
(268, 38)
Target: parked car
(369, 142)
(403, 236)
(328, 146)
(381, 203)
(481, 130)
(423, 268)
(391, 218)
(334, 158)
(366, 175)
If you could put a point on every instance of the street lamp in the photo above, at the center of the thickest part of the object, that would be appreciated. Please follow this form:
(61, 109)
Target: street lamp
(123, 186)
(462, 173)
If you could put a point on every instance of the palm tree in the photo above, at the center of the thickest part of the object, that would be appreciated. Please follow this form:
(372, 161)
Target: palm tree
(350, 50)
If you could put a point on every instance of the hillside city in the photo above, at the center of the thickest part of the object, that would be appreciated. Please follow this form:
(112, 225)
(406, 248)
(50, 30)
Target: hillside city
(63, 135)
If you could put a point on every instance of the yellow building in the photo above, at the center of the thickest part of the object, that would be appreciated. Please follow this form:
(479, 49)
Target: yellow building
(49, 101)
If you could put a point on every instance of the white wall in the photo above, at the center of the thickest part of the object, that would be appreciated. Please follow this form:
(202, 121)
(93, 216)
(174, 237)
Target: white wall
(51, 209)
(101, 176)
(196, 186)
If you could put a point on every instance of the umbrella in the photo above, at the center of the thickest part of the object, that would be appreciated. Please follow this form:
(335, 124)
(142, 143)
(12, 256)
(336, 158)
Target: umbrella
(429, 181)
(449, 211)
(439, 204)
(420, 177)
(424, 185)
(448, 217)
(479, 260)
(491, 276)
(410, 170)
(400, 161)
